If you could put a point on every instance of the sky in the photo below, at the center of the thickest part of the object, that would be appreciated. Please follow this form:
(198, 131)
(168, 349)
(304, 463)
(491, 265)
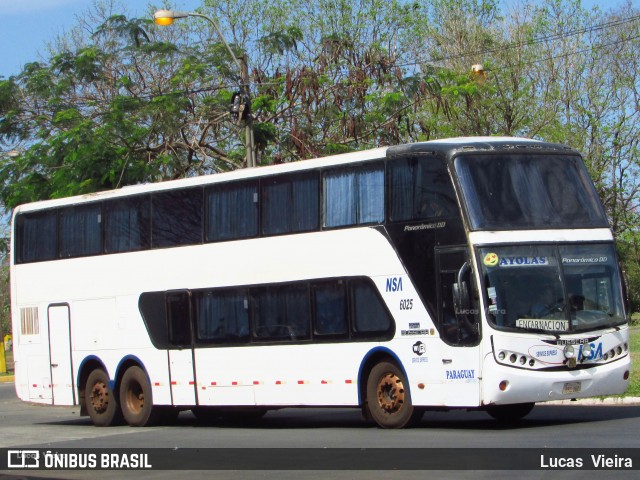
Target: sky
(28, 25)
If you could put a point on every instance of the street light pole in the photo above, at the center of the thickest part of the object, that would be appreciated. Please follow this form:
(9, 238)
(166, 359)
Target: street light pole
(166, 17)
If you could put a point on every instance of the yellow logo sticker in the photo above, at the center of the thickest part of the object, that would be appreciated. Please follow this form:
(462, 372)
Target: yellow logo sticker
(491, 259)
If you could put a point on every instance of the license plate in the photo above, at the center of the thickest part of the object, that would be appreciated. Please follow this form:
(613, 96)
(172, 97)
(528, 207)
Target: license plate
(571, 387)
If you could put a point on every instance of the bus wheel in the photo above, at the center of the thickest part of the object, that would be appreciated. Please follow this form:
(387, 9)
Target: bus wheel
(136, 398)
(510, 413)
(388, 399)
(100, 401)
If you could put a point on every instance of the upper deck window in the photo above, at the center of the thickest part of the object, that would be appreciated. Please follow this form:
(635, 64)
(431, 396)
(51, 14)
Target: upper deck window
(176, 218)
(232, 211)
(420, 189)
(519, 191)
(290, 204)
(127, 224)
(354, 197)
(37, 235)
(81, 230)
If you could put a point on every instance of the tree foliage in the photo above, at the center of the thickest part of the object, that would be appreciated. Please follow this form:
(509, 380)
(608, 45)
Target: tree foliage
(121, 101)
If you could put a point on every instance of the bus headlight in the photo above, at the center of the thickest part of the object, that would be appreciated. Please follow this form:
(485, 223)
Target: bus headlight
(586, 351)
(569, 351)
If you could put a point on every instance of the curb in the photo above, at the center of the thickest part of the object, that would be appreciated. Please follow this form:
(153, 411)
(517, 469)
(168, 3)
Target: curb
(7, 379)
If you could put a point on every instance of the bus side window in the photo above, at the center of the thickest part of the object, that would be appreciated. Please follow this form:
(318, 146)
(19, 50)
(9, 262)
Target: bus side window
(370, 315)
(179, 318)
(80, 230)
(330, 309)
(176, 218)
(354, 197)
(36, 236)
(221, 315)
(420, 189)
(281, 313)
(232, 211)
(127, 224)
(290, 204)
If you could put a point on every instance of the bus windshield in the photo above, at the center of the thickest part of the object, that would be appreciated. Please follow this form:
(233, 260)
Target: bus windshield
(528, 191)
(552, 288)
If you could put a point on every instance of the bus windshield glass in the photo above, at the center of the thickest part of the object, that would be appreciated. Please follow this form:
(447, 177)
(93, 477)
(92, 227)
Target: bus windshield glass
(528, 191)
(559, 289)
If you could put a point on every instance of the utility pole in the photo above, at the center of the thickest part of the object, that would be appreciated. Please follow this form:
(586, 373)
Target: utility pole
(248, 117)
(241, 103)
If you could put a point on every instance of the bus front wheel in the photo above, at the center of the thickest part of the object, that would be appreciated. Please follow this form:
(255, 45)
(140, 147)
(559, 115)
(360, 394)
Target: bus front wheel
(388, 399)
(100, 401)
(136, 399)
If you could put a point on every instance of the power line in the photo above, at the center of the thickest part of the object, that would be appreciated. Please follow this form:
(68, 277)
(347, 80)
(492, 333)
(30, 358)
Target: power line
(543, 39)
(536, 41)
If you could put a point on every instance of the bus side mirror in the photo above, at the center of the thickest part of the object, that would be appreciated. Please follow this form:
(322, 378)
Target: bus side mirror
(461, 299)
(625, 291)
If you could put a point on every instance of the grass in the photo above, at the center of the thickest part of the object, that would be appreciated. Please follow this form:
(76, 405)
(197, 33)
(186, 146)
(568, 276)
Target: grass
(8, 356)
(634, 380)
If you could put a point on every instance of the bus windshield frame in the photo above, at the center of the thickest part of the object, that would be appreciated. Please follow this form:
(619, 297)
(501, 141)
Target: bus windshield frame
(556, 289)
(519, 190)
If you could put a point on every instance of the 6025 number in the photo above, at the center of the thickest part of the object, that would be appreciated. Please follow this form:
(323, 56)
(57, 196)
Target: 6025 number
(406, 304)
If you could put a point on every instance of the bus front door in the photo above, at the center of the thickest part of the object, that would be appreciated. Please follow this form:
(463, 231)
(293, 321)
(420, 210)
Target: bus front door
(458, 318)
(62, 389)
(182, 373)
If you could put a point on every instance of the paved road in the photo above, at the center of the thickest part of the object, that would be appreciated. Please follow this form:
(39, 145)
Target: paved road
(551, 427)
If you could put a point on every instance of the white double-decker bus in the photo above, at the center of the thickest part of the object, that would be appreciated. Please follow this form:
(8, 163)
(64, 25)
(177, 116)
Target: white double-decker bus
(473, 273)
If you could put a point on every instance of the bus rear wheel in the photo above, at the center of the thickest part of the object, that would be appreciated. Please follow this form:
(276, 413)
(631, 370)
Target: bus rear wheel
(100, 401)
(388, 398)
(136, 399)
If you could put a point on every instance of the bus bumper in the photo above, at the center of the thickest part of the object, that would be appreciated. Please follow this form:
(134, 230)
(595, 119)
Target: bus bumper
(507, 385)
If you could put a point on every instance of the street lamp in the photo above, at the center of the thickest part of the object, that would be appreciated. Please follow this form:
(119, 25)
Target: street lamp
(242, 101)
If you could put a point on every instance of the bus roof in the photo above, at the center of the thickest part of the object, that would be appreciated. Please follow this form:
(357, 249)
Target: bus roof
(448, 145)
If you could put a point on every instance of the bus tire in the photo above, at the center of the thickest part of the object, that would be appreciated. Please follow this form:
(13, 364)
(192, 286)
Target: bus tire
(388, 399)
(136, 399)
(510, 413)
(100, 401)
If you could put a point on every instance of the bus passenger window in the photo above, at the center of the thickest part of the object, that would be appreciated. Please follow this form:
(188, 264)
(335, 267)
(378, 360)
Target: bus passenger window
(370, 314)
(420, 189)
(232, 211)
(37, 235)
(127, 224)
(290, 204)
(176, 218)
(179, 319)
(281, 313)
(81, 230)
(330, 309)
(354, 197)
(222, 316)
